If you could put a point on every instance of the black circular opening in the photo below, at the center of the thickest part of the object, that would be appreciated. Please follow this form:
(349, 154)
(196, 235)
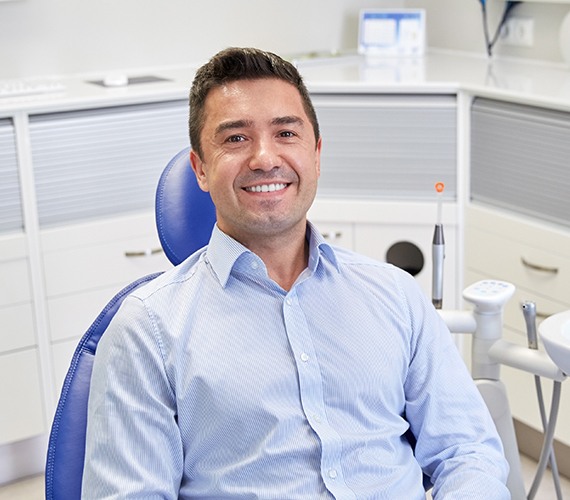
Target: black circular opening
(406, 256)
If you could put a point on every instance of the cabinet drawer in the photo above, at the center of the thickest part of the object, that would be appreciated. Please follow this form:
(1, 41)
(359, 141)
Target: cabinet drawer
(533, 258)
(23, 416)
(95, 256)
(16, 327)
(71, 315)
(510, 260)
(78, 269)
(15, 282)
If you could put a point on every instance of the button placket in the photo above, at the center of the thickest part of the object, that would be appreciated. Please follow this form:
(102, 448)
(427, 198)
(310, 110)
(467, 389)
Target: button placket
(311, 395)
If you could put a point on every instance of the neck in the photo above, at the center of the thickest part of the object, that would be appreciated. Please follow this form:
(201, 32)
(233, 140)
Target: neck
(285, 256)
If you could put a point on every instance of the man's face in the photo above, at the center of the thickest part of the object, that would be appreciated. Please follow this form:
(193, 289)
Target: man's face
(260, 161)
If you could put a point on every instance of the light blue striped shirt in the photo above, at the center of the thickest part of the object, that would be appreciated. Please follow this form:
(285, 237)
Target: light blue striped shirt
(212, 382)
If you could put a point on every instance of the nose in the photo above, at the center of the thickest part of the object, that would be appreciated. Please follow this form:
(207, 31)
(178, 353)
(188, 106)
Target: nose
(264, 155)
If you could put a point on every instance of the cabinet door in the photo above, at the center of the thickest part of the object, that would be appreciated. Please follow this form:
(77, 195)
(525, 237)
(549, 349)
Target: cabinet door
(519, 159)
(22, 415)
(11, 218)
(387, 147)
(104, 162)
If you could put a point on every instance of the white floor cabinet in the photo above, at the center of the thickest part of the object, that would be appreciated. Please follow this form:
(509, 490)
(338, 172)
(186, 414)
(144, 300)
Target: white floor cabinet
(518, 226)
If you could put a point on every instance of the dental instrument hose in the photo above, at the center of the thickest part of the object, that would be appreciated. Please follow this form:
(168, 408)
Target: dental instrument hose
(490, 42)
(547, 452)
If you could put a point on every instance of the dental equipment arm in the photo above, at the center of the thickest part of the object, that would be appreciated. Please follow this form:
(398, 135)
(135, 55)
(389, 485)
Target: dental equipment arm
(489, 352)
(529, 313)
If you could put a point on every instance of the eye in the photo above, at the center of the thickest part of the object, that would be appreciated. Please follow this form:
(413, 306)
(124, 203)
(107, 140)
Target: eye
(235, 138)
(287, 134)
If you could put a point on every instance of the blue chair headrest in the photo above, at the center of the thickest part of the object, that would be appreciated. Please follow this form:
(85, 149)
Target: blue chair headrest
(185, 215)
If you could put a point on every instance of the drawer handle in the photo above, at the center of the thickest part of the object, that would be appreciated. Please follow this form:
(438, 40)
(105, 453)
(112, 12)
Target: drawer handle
(143, 253)
(538, 267)
(334, 235)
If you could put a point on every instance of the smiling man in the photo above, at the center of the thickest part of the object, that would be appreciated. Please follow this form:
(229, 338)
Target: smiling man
(271, 365)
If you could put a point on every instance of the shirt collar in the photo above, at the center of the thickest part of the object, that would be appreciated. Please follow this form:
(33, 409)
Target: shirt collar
(223, 252)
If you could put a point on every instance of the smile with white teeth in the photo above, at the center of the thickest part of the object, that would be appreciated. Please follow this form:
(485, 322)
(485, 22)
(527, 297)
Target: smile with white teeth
(266, 188)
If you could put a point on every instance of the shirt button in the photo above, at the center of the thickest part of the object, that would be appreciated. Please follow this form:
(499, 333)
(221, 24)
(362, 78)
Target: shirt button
(304, 357)
(254, 264)
(288, 301)
(332, 473)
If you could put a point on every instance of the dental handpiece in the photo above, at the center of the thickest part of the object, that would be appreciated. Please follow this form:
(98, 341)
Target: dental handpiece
(529, 313)
(438, 253)
(438, 256)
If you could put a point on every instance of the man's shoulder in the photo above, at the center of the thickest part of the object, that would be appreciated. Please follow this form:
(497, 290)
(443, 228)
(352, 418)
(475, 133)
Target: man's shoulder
(173, 277)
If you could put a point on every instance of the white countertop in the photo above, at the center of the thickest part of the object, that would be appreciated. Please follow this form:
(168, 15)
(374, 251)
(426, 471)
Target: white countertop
(439, 72)
(520, 81)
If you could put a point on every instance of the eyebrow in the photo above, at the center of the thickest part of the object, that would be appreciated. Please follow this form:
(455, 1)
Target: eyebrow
(287, 120)
(237, 124)
(233, 124)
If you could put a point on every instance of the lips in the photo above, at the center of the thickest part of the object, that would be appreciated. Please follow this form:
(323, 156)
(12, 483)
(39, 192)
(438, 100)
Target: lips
(266, 188)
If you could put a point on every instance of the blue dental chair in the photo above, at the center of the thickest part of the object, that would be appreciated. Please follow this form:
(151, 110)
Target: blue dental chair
(185, 216)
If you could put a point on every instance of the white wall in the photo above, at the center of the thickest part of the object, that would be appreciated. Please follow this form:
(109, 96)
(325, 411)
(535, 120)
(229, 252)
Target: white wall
(41, 37)
(457, 25)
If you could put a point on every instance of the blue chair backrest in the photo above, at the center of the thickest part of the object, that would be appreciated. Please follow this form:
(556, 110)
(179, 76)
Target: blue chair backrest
(185, 216)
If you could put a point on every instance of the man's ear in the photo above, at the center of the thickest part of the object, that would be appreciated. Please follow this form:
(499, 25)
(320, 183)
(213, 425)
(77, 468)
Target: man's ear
(198, 167)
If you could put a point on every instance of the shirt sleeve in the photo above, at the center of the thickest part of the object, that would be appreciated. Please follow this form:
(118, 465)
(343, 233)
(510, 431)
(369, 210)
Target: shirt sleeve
(133, 446)
(457, 442)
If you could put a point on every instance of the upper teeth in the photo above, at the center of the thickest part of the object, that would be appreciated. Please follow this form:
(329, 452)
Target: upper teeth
(265, 188)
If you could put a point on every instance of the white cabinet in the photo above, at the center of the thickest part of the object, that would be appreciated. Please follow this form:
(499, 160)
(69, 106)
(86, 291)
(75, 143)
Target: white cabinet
(21, 386)
(95, 173)
(517, 228)
(22, 414)
(79, 228)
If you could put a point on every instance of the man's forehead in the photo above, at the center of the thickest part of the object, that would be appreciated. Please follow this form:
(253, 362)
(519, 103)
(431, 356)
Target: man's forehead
(246, 101)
